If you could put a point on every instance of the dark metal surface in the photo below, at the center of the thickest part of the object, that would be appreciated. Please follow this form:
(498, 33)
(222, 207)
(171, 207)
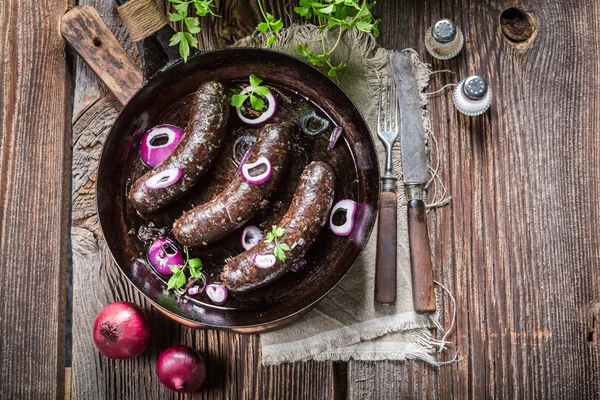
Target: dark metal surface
(475, 87)
(280, 302)
(412, 133)
(444, 31)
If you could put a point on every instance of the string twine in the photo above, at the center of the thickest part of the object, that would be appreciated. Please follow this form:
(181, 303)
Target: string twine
(142, 18)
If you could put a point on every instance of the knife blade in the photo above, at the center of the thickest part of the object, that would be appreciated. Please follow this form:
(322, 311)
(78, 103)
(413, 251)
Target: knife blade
(415, 174)
(412, 133)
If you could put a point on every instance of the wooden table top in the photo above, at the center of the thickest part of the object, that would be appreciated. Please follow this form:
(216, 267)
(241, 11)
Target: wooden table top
(518, 246)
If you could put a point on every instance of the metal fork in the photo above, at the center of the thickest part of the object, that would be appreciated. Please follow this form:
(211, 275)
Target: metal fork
(388, 128)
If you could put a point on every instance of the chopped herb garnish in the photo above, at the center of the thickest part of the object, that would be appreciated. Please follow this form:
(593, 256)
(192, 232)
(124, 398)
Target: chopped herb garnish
(280, 248)
(254, 93)
(178, 279)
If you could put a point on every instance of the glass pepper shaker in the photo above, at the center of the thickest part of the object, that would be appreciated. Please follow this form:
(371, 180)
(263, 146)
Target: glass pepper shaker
(472, 96)
(444, 39)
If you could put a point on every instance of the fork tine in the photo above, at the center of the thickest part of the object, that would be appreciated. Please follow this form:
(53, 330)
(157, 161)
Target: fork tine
(389, 102)
(379, 128)
(397, 127)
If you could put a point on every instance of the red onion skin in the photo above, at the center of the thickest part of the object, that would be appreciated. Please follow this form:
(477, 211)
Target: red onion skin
(121, 331)
(181, 369)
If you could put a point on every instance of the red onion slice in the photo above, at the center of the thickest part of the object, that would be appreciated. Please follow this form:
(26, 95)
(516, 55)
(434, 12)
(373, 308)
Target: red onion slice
(217, 293)
(260, 178)
(193, 290)
(264, 260)
(335, 135)
(164, 179)
(251, 236)
(264, 117)
(162, 253)
(349, 206)
(299, 265)
(153, 155)
(244, 161)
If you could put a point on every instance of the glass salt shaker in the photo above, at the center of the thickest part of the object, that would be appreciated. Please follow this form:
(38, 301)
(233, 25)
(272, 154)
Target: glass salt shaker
(472, 96)
(444, 39)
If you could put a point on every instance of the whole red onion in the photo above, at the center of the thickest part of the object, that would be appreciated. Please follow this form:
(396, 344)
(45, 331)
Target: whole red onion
(181, 368)
(121, 330)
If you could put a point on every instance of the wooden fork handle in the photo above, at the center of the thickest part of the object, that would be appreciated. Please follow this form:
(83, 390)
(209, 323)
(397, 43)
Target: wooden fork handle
(420, 258)
(385, 264)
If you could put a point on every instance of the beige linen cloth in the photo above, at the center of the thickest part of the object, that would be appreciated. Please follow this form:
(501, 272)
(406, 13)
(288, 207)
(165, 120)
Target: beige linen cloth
(347, 323)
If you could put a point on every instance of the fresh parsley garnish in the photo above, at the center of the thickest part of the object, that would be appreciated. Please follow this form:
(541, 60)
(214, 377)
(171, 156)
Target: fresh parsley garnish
(345, 14)
(280, 248)
(178, 279)
(254, 93)
(270, 25)
(188, 25)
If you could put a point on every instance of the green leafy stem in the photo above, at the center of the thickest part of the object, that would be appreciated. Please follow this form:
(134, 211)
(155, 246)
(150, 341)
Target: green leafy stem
(269, 25)
(344, 14)
(188, 25)
(178, 279)
(254, 93)
(280, 248)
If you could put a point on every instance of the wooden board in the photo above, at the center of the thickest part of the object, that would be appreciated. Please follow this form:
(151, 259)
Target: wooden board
(517, 246)
(35, 108)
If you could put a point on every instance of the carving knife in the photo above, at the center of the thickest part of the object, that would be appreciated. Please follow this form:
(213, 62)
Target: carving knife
(415, 176)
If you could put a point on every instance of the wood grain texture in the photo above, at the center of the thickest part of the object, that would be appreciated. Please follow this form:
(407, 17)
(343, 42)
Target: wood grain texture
(91, 39)
(420, 258)
(518, 246)
(385, 261)
(35, 108)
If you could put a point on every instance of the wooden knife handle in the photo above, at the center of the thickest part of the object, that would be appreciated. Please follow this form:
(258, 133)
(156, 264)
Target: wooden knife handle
(420, 258)
(385, 267)
(83, 28)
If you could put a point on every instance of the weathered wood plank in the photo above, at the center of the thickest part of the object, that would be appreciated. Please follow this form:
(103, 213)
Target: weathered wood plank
(35, 107)
(518, 245)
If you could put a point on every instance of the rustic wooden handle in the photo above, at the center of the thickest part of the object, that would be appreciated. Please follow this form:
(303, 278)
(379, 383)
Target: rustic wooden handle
(83, 29)
(420, 258)
(385, 265)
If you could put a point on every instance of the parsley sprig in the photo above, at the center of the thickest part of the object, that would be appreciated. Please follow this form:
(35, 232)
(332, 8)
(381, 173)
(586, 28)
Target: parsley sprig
(188, 25)
(280, 248)
(254, 93)
(178, 279)
(269, 25)
(345, 14)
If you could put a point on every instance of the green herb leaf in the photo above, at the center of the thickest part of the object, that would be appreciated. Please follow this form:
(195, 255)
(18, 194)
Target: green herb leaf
(271, 40)
(184, 48)
(195, 266)
(177, 280)
(278, 252)
(176, 38)
(175, 17)
(269, 238)
(284, 246)
(237, 100)
(262, 90)
(364, 26)
(277, 25)
(279, 232)
(255, 81)
(263, 27)
(191, 40)
(257, 102)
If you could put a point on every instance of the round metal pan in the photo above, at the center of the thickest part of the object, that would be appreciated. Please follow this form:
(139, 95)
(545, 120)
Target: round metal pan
(168, 80)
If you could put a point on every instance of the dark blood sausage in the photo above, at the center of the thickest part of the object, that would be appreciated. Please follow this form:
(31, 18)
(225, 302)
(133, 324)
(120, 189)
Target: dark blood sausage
(240, 201)
(193, 155)
(303, 221)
